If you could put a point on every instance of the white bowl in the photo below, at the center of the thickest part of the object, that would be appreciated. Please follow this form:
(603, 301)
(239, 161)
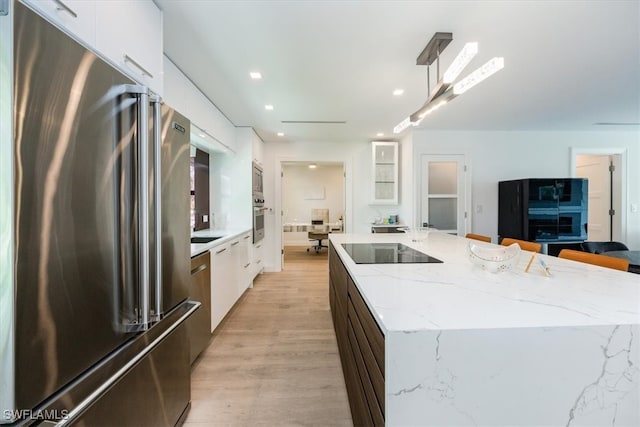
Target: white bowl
(493, 258)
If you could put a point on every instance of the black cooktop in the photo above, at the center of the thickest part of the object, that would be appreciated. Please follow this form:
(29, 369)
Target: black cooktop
(386, 253)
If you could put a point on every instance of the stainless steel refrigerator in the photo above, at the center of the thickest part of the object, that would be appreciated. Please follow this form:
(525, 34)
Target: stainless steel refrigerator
(94, 237)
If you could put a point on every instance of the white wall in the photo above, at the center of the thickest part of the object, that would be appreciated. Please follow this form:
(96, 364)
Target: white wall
(497, 156)
(300, 186)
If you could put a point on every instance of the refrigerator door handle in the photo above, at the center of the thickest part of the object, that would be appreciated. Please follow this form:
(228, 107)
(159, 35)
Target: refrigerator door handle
(144, 251)
(157, 204)
(134, 223)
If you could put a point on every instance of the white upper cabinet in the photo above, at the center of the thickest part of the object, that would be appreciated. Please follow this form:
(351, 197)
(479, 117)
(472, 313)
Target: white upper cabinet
(129, 33)
(176, 85)
(257, 148)
(208, 118)
(181, 94)
(77, 17)
(384, 173)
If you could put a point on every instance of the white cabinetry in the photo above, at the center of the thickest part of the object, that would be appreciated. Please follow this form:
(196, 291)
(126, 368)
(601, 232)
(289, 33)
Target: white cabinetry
(129, 33)
(77, 17)
(257, 259)
(230, 275)
(245, 279)
(185, 97)
(223, 290)
(384, 173)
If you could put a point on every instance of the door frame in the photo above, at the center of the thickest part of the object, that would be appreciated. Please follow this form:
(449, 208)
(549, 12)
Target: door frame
(466, 186)
(624, 189)
(348, 195)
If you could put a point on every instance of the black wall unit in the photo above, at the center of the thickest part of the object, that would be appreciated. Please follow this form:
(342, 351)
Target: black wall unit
(543, 209)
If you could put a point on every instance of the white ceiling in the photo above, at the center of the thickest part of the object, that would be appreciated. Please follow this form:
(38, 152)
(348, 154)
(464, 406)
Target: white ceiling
(568, 64)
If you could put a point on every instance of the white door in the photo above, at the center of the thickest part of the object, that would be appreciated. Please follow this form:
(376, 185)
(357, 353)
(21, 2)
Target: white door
(596, 169)
(442, 193)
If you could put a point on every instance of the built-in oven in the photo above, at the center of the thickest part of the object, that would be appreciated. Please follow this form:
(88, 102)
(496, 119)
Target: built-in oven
(258, 219)
(258, 202)
(256, 181)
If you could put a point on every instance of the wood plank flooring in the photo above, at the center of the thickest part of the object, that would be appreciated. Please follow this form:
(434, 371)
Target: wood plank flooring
(274, 359)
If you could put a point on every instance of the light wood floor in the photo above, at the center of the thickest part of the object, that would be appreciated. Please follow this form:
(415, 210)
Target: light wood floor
(274, 359)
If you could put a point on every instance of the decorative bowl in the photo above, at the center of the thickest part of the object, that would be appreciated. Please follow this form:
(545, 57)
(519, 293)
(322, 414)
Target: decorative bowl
(417, 234)
(493, 258)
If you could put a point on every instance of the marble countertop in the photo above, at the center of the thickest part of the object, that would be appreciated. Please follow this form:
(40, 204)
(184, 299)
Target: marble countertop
(457, 294)
(225, 236)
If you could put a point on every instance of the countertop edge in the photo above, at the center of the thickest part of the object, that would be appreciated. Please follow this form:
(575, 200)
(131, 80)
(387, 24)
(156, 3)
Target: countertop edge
(227, 235)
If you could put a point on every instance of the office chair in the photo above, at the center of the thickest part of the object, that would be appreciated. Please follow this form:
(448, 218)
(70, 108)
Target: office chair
(478, 237)
(524, 245)
(595, 259)
(318, 234)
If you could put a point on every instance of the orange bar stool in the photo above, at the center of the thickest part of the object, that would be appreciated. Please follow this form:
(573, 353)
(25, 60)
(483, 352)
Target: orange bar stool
(478, 237)
(595, 259)
(524, 245)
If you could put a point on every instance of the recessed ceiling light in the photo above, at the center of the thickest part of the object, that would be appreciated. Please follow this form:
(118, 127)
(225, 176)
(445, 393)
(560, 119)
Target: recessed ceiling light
(202, 135)
(380, 134)
(280, 134)
(255, 75)
(398, 92)
(313, 166)
(268, 107)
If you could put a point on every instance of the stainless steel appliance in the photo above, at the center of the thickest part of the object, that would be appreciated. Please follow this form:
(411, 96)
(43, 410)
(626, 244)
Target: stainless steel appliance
(256, 181)
(94, 237)
(386, 253)
(258, 202)
(258, 219)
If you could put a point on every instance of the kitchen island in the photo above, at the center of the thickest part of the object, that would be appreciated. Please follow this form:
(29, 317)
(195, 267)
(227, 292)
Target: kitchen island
(451, 344)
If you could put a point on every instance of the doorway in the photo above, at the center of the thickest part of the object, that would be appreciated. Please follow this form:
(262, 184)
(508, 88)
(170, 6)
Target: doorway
(606, 206)
(311, 192)
(443, 195)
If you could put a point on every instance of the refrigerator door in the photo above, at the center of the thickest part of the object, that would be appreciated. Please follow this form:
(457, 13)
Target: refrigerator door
(175, 213)
(73, 136)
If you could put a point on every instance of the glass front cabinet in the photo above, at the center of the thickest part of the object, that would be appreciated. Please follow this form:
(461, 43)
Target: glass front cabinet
(384, 173)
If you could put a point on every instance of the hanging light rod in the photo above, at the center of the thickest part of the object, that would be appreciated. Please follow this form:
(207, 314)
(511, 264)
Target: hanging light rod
(434, 48)
(445, 90)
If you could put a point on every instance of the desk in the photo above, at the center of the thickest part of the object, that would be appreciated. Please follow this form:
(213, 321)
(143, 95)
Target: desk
(632, 256)
(306, 226)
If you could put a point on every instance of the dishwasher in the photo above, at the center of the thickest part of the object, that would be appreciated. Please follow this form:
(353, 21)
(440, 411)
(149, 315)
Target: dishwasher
(199, 324)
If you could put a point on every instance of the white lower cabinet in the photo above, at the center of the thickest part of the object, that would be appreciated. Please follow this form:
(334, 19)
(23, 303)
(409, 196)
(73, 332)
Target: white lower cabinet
(231, 275)
(244, 264)
(223, 289)
(257, 260)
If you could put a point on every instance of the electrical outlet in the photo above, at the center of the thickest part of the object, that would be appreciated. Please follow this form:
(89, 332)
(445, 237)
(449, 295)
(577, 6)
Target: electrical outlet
(634, 207)
(478, 208)
(205, 218)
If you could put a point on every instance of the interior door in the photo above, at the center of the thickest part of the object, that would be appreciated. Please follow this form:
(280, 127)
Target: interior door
(442, 193)
(596, 169)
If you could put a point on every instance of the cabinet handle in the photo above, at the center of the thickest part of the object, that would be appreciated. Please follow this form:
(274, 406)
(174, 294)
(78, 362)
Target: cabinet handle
(129, 59)
(258, 247)
(259, 261)
(199, 268)
(246, 237)
(247, 265)
(235, 243)
(64, 8)
(221, 250)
